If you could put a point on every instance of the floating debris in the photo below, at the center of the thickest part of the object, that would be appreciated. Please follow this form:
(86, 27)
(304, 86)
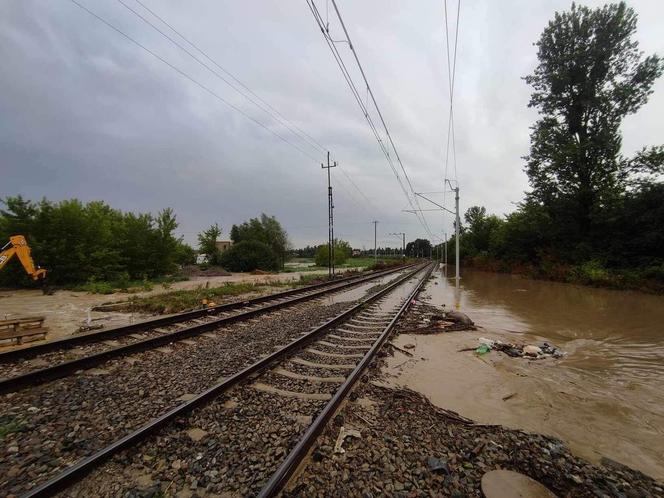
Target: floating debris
(343, 434)
(545, 350)
(426, 319)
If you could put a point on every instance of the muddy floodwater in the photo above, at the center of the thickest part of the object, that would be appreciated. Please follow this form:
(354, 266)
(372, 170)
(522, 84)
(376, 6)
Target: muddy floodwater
(604, 398)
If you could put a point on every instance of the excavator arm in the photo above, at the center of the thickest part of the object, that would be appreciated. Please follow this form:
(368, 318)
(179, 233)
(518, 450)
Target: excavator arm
(18, 246)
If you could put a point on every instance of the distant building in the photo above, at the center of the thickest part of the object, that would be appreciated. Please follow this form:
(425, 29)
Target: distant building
(223, 245)
(356, 252)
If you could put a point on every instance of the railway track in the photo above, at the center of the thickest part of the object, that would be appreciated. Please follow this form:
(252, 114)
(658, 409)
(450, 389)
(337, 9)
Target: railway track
(26, 367)
(272, 410)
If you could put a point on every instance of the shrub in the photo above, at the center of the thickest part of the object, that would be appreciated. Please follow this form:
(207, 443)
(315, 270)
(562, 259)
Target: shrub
(342, 252)
(250, 255)
(591, 273)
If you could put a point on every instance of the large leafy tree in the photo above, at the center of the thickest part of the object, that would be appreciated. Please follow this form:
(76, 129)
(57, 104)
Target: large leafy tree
(77, 242)
(590, 75)
(207, 243)
(342, 251)
(267, 230)
(418, 247)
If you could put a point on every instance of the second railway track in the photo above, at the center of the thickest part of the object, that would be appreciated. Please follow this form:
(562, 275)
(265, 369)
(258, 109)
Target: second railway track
(40, 363)
(59, 423)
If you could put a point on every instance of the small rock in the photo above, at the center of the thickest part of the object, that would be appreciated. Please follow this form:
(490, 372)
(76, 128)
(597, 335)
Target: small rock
(196, 434)
(437, 465)
(532, 350)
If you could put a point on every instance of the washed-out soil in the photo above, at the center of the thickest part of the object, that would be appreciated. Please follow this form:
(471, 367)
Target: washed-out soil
(211, 271)
(408, 447)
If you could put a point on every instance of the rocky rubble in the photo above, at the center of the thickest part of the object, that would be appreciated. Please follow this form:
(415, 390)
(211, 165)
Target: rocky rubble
(59, 422)
(423, 318)
(530, 351)
(408, 448)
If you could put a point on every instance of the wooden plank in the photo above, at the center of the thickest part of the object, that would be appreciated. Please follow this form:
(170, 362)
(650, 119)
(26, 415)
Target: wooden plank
(14, 334)
(25, 319)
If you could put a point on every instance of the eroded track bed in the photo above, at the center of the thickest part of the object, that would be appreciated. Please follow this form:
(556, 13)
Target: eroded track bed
(46, 361)
(58, 423)
(266, 413)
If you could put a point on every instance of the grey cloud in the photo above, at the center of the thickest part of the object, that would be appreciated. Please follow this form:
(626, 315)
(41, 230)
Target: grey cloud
(84, 113)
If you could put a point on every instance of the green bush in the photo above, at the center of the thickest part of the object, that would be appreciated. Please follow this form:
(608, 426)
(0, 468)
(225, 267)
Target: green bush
(591, 273)
(342, 252)
(77, 242)
(250, 255)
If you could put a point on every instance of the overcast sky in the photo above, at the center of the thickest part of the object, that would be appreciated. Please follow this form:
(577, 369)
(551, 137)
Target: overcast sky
(85, 113)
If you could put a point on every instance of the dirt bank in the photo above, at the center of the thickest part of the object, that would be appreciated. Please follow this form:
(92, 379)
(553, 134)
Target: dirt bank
(565, 398)
(66, 311)
(406, 446)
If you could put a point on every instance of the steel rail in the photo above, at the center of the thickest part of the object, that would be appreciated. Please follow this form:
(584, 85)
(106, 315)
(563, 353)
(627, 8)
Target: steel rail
(53, 345)
(285, 471)
(75, 472)
(59, 370)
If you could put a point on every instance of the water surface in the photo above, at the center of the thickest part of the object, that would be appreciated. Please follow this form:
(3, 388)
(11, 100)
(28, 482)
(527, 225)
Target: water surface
(605, 398)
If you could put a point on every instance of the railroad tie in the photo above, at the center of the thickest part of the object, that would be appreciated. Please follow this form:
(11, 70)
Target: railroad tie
(334, 355)
(376, 333)
(349, 339)
(363, 327)
(325, 366)
(309, 378)
(342, 346)
(259, 386)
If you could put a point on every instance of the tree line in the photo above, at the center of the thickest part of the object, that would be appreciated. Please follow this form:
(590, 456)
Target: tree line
(592, 214)
(79, 242)
(258, 244)
(92, 242)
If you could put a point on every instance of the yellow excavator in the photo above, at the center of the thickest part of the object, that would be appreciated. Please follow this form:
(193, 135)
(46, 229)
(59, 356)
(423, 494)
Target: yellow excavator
(18, 246)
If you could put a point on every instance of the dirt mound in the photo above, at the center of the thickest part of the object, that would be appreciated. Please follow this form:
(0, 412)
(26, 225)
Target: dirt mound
(211, 271)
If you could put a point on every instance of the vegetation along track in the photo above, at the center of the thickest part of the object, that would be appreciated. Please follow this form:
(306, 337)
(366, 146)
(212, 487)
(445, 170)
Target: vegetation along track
(50, 360)
(274, 401)
(53, 425)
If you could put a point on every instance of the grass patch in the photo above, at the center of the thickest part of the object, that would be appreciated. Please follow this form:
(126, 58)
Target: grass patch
(125, 285)
(298, 264)
(8, 428)
(181, 300)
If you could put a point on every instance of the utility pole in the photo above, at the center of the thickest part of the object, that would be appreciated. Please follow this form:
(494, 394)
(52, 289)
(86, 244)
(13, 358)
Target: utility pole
(330, 219)
(375, 223)
(403, 242)
(457, 224)
(456, 235)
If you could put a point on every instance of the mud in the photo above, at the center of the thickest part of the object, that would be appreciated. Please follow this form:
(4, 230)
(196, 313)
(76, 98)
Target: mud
(609, 404)
(66, 311)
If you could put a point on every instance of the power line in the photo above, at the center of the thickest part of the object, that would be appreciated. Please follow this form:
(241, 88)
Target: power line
(380, 114)
(451, 75)
(252, 97)
(266, 107)
(357, 188)
(185, 75)
(358, 98)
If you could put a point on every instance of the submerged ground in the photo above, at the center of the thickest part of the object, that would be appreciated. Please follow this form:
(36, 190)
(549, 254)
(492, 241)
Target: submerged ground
(604, 398)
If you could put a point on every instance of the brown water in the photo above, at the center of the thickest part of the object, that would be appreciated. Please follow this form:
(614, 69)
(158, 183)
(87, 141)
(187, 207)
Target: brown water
(616, 336)
(605, 398)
